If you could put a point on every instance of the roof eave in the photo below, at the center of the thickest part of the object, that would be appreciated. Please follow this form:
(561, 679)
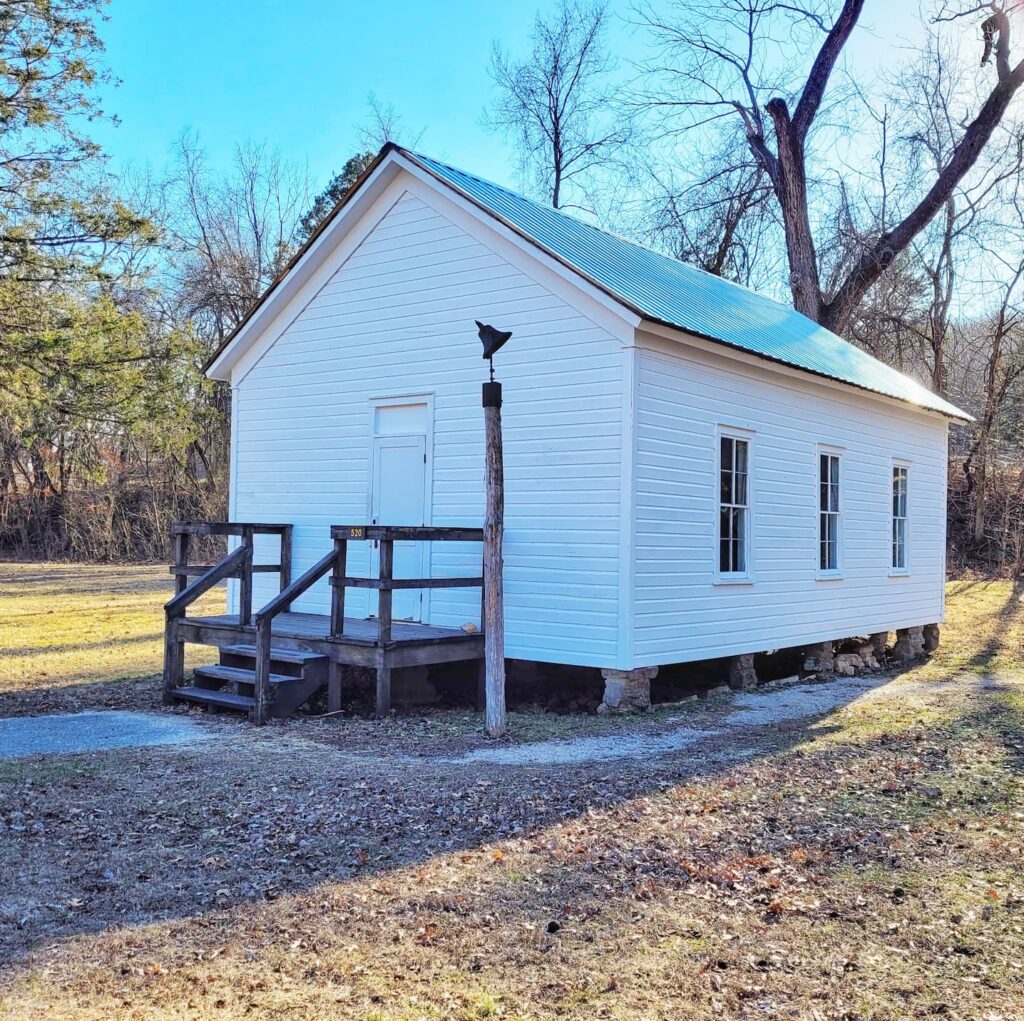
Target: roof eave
(681, 334)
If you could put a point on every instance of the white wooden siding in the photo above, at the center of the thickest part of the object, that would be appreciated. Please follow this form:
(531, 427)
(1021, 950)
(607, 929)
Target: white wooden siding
(681, 615)
(397, 319)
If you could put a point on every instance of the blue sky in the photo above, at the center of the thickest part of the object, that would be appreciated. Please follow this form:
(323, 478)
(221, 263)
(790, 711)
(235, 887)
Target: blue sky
(296, 73)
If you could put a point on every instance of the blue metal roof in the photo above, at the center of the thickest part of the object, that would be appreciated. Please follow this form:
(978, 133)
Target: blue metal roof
(668, 291)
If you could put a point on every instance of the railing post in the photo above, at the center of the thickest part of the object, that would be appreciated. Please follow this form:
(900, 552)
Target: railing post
(387, 568)
(261, 687)
(286, 558)
(337, 589)
(180, 553)
(245, 587)
(483, 597)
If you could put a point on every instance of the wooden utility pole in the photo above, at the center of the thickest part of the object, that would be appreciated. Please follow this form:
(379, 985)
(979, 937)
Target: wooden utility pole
(494, 600)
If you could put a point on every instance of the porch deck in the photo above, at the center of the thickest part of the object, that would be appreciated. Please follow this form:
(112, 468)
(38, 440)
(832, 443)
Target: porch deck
(411, 644)
(358, 630)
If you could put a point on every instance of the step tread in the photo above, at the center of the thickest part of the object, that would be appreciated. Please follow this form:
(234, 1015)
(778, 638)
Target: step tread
(240, 675)
(281, 655)
(227, 699)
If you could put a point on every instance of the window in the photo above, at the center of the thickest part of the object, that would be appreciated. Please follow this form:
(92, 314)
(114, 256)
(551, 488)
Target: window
(900, 486)
(828, 517)
(734, 505)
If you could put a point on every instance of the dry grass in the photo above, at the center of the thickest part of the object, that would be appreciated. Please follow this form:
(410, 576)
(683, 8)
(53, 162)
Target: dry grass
(862, 866)
(77, 636)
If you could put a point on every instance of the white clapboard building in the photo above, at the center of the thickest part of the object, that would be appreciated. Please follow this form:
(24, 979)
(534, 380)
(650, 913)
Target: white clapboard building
(692, 470)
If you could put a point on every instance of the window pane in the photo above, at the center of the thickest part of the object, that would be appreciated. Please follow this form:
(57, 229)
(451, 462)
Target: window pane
(740, 540)
(723, 545)
(741, 455)
(740, 489)
(829, 553)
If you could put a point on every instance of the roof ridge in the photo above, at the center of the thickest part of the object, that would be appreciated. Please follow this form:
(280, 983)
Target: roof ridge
(664, 289)
(643, 246)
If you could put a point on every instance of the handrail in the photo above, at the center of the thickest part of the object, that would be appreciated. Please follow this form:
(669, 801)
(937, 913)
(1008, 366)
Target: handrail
(228, 567)
(287, 596)
(355, 581)
(264, 624)
(237, 563)
(226, 528)
(182, 533)
(420, 533)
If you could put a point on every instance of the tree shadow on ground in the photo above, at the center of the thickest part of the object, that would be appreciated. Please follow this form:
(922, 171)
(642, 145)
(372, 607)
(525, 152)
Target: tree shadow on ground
(268, 842)
(997, 643)
(130, 837)
(34, 581)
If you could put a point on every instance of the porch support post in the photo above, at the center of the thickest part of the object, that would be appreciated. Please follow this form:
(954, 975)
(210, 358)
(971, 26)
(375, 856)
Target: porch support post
(333, 686)
(383, 684)
(174, 658)
(261, 687)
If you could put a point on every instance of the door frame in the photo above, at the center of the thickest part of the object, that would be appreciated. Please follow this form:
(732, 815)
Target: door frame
(404, 400)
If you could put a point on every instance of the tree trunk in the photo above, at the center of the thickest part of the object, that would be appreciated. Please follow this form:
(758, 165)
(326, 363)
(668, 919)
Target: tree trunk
(790, 186)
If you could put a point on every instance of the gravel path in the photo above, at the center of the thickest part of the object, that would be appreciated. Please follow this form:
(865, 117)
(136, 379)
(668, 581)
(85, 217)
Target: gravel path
(64, 733)
(741, 712)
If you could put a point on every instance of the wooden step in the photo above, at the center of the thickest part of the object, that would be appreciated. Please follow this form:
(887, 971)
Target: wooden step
(280, 655)
(216, 699)
(238, 675)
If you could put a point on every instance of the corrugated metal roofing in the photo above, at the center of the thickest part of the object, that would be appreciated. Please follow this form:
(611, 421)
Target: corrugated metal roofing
(666, 290)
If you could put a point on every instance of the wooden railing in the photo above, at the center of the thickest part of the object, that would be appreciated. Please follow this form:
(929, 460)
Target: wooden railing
(181, 535)
(385, 582)
(335, 563)
(238, 563)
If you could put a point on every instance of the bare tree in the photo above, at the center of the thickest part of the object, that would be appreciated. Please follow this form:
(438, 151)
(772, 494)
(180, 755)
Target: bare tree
(1001, 339)
(715, 213)
(231, 236)
(908, 317)
(722, 59)
(385, 124)
(555, 105)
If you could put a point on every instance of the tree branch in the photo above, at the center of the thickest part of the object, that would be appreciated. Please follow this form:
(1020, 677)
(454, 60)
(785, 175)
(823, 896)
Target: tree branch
(821, 71)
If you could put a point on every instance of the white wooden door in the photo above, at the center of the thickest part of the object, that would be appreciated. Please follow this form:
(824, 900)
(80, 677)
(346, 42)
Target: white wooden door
(399, 498)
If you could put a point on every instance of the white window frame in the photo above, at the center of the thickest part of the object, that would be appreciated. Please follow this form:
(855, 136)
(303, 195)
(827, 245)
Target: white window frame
(746, 576)
(829, 573)
(898, 464)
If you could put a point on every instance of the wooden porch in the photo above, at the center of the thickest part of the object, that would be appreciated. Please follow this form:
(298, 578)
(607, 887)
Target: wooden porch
(274, 659)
